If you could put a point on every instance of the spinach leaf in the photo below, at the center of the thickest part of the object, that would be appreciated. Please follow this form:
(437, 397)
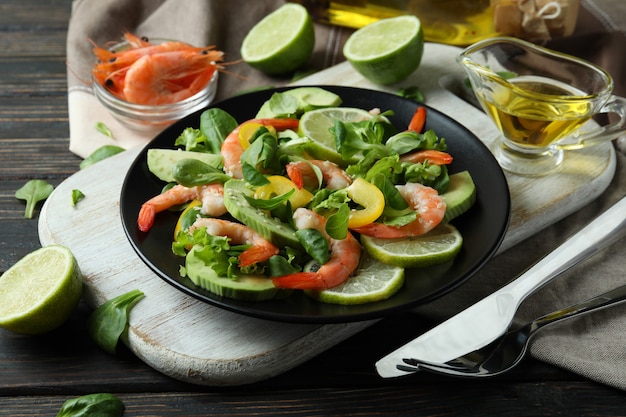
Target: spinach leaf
(413, 93)
(315, 244)
(107, 323)
(99, 154)
(77, 195)
(191, 172)
(279, 266)
(33, 192)
(92, 405)
(270, 203)
(104, 129)
(215, 125)
(337, 223)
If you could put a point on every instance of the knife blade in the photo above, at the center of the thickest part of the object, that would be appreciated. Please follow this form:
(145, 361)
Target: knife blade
(488, 319)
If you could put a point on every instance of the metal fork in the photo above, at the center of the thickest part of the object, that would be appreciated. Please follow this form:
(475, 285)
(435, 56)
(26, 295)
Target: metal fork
(506, 352)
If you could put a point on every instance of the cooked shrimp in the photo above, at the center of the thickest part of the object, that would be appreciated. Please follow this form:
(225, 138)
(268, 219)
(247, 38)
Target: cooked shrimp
(432, 156)
(430, 209)
(152, 78)
(232, 149)
(211, 195)
(111, 71)
(344, 258)
(303, 174)
(261, 249)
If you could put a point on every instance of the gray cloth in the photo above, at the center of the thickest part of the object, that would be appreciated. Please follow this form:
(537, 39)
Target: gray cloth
(593, 346)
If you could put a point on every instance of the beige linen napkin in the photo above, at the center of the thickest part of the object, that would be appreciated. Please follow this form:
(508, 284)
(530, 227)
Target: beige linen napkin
(593, 346)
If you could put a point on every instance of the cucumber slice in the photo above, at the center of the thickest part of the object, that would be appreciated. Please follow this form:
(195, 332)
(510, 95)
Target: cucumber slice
(309, 98)
(460, 196)
(161, 161)
(272, 229)
(246, 287)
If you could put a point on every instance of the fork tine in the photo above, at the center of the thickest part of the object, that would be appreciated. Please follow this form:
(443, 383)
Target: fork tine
(407, 368)
(453, 365)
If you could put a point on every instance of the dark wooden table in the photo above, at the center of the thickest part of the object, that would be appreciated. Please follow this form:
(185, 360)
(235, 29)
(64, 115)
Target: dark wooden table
(37, 374)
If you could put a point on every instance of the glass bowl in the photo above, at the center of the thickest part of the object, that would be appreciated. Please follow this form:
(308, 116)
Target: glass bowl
(153, 118)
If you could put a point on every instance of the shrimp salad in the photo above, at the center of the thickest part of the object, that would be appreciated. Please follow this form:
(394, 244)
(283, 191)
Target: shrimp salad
(271, 217)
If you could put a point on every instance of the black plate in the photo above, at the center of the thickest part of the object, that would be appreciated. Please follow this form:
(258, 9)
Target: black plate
(483, 226)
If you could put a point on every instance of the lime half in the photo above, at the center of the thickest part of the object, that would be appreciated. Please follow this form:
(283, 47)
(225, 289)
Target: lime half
(439, 245)
(40, 291)
(387, 51)
(372, 281)
(281, 42)
(316, 124)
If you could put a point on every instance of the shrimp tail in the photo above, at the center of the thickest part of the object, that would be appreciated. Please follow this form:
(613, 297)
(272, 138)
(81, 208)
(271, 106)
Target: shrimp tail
(434, 157)
(256, 254)
(301, 281)
(295, 175)
(146, 217)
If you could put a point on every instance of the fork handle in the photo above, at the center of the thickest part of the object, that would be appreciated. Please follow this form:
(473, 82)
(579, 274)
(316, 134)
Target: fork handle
(598, 234)
(609, 298)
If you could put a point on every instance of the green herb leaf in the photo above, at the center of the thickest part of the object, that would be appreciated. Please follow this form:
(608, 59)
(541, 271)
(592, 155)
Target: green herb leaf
(413, 93)
(252, 175)
(270, 203)
(92, 405)
(337, 223)
(33, 192)
(104, 129)
(99, 154)
(216, 125)
(191, 172)
(77, 195)
(282, 105)
(279, 266)
(193, 140)
(107, 323)
(393, 198)
(315, 244)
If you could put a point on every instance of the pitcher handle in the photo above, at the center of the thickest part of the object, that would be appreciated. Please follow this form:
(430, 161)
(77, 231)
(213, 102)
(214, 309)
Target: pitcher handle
(614, 130)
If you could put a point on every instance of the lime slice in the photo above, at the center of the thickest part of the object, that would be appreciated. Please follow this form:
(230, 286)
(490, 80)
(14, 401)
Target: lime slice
(387, 51)
(316, 124)
(281, 42)
(40, 291)
(372, 281)
(437, 246)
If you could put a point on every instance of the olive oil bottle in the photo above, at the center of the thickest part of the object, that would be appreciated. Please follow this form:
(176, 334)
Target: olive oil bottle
(454, 22)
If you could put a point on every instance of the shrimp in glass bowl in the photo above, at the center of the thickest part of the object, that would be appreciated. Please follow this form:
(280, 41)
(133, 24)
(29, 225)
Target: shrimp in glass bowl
(149, 84)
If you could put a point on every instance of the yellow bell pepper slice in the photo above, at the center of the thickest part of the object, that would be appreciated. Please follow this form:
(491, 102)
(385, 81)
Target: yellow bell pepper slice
(280, 185)
(179, 224)
(370, 198)
(247, 130)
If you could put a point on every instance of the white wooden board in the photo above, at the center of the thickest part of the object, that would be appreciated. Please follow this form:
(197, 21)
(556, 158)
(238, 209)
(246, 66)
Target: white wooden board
(198, 343)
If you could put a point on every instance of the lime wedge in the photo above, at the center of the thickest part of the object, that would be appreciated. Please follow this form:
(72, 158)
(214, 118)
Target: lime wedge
(387, 51)
(439, 245)
(40, 291)
(372, 281)
(281, 42)
(316, 124)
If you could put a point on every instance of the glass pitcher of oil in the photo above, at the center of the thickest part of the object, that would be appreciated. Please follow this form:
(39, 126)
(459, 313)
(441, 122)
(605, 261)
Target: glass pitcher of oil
(455, 22)
(541, 101)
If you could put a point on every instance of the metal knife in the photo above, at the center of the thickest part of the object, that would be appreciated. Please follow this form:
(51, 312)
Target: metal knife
(488, 319)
